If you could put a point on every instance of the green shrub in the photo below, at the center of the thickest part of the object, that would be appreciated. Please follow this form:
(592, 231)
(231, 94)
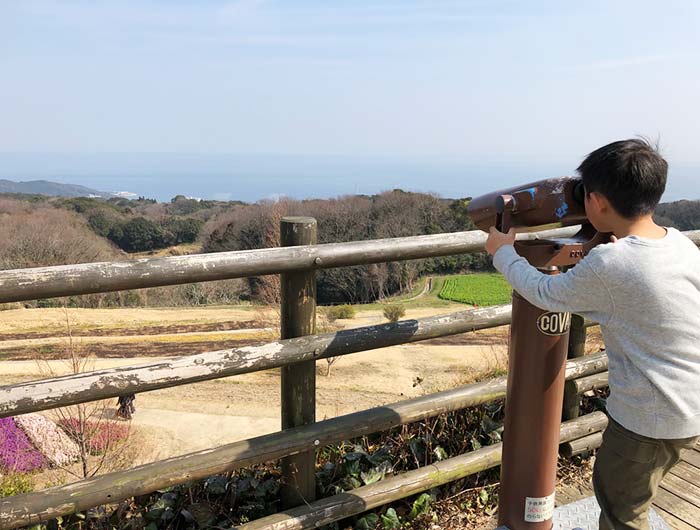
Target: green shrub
(482, 289)
(394, 312)
(14, 484)
(340, 311)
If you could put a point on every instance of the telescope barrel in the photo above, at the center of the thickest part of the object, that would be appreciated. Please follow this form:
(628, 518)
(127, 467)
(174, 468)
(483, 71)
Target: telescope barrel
(548, 203)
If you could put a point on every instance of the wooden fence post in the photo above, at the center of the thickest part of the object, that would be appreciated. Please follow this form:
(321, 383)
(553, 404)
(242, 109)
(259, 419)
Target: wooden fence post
(298, 318)
(577, 343)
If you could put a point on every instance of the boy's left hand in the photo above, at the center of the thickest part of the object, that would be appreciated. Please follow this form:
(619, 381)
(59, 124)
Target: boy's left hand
(497, 239)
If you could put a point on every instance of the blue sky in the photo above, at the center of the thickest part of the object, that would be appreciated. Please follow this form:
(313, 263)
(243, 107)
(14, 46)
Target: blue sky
(199, 94)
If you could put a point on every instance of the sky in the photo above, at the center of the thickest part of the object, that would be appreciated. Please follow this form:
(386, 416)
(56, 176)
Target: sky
(252, 98)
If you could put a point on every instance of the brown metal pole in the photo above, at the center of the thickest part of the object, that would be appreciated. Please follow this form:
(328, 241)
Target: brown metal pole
(298, 299)
(536, 370)
(577, 344)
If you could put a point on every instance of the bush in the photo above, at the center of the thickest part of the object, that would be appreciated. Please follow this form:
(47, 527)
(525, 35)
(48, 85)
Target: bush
(178, 231)
(14, 484)
(333, 313)
(140, 234)
(394, 312)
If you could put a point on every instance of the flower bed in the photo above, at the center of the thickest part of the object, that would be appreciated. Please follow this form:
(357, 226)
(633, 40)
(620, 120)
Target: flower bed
(51, 441)
(16, 451)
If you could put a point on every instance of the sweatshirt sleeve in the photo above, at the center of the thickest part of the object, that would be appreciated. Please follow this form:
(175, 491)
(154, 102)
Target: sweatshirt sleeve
(579, 290)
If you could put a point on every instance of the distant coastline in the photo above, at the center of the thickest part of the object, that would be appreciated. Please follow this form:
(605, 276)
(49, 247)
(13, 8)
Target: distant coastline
(251, 178)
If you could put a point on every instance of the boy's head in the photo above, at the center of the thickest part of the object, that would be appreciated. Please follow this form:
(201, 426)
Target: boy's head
(629, 176)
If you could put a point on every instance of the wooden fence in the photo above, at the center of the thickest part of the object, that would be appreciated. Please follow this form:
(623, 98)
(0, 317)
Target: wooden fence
(296, 353)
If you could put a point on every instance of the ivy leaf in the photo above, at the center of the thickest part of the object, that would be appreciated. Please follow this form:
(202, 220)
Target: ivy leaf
(440, 453)
(353, 468)
(216, 485)
(494, 436)
(484, 497)
(376, 473)
(350, 483)
(417, 446)
(390, 520)
(488, 425)
(168, 514)
(420, 505)
(368, 522)
(378, 457)
(156, 510)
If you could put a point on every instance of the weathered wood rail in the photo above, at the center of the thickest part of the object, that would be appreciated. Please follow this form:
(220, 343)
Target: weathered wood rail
(68, 280)
(33, 507)
(297, 262)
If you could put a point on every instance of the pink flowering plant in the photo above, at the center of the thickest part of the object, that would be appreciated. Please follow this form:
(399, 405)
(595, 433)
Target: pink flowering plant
(16, 451)
(53, 443)
(98, 436)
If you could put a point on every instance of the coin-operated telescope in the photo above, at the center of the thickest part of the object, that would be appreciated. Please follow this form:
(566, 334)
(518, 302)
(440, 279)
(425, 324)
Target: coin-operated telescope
(550, 203)
(538, 344)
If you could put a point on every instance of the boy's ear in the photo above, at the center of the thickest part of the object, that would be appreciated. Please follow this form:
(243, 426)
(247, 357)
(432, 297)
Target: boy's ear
(600, 202)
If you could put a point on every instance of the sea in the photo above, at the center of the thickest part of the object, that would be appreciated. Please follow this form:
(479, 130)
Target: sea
(251, 178)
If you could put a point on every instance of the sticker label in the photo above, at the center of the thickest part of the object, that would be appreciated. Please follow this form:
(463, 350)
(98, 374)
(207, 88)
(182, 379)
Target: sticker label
(554, 323)
(538, 509)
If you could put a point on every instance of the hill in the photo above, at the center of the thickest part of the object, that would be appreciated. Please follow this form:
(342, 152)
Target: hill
(55, 189)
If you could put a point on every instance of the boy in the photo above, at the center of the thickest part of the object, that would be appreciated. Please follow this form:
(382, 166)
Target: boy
(644, 290)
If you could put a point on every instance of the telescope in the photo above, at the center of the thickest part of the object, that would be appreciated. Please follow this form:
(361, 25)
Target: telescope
(542, 205)
(538, 344)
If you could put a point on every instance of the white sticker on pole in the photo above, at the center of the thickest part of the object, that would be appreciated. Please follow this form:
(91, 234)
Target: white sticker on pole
(538, 509)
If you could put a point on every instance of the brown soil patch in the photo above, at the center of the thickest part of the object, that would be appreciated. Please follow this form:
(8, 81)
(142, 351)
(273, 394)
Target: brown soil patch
(143, 330)
(124, 350)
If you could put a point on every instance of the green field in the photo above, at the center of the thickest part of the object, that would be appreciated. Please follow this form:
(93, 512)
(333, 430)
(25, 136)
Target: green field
(481, 289)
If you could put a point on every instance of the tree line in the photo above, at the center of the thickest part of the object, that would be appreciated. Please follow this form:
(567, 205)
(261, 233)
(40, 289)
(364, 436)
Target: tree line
(40, 231)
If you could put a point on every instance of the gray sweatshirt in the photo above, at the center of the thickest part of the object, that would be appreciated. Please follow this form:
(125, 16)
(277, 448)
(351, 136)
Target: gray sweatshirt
(645, 293)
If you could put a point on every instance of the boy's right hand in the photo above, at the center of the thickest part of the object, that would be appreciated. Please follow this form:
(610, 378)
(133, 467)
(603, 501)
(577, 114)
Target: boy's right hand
(497, 239)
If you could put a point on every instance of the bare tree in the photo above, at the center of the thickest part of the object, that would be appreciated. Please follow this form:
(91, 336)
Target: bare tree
(49, 237)
(101, 438)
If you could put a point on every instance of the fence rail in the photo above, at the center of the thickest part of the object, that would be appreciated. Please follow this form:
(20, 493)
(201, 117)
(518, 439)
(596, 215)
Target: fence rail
(331, 509)
(113, 487)
(47, 282)
(68, 280)
(72, 389)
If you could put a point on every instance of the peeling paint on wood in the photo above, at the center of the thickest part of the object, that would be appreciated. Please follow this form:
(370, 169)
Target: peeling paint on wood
(33, 396)
(68, 280)
(27, 508)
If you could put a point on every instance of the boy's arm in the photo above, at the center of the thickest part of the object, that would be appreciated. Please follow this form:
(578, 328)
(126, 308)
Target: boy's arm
(579, 290)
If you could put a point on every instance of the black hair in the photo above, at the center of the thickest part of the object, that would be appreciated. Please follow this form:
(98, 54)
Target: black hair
(631, 174)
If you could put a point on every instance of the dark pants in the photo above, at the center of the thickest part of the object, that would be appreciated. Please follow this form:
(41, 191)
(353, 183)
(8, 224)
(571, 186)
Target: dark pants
(627, 472)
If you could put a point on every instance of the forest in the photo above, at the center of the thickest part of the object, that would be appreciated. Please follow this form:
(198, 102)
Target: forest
(39, 231)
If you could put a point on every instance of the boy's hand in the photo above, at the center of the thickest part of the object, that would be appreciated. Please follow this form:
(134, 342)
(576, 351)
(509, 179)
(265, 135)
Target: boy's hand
(497, 239)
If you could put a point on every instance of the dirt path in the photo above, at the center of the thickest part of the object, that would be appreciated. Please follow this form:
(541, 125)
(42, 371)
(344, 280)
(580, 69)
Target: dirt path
(427, 286)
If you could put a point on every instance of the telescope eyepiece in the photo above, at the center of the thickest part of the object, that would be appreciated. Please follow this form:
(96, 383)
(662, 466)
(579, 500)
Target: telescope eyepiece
(579, 193)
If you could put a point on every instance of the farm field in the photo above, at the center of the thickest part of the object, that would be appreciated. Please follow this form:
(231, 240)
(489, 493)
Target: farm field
(34, 344)
(482, 289)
